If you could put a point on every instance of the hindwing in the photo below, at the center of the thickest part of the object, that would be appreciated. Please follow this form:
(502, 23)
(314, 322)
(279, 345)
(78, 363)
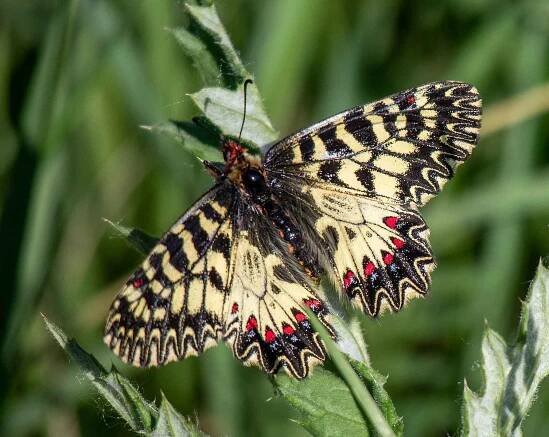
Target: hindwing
(379, 252)
(266, 324)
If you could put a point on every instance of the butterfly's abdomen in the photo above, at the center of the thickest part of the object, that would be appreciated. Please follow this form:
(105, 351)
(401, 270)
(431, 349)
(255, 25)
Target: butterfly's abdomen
(291, 233)
(255, 185)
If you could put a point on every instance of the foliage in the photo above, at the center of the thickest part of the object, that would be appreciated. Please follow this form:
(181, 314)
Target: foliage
(512, 374)
(70, 154)
(141, 416)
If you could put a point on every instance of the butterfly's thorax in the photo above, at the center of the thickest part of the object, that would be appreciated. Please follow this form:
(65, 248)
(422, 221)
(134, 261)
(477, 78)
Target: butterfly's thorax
(248, 174)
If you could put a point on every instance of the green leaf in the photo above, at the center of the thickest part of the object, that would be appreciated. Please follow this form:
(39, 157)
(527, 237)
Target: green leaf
(205, 24)
(374, 382)
(356, 381)
(172, 424)
(141, 416)
(512, 374)
(136, 238)
(113, 387)
(195, 139)
(198, 51)
(324, 402)
(225, 110)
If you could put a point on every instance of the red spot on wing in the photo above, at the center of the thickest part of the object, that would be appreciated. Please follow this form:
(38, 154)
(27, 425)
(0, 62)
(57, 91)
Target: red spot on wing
(369, 268)
(252, 323)
(399, 244)
(270, 336)
(410, 100)
(288, 330)
(314, 304)
(138, 283)
(349, 279)
(391, 222)
(234, 308)
(388, 258)
(300, 317)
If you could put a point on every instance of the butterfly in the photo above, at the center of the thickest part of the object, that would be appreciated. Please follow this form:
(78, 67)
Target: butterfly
(339, 198)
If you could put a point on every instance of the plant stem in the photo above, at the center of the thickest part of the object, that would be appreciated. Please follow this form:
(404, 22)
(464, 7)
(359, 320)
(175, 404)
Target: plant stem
(358, 389)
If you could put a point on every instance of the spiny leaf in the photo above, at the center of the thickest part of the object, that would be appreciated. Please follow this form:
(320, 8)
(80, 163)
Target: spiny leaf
(225, 109)
(199, 52)
(113, 387)
(142, 416)
(480, 411)
(205, 24)
(512, 374)
(207, 43)
(172, 424)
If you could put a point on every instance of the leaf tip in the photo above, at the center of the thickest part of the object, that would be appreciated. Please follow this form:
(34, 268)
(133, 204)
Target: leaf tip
(56, 332)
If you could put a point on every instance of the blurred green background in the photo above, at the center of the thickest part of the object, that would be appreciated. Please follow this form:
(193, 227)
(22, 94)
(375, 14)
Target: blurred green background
(71, 153)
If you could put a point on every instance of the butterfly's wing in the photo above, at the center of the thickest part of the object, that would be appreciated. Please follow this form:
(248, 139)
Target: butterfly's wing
(219, 273)
(363, 174)
(172, 306)
(266, 324)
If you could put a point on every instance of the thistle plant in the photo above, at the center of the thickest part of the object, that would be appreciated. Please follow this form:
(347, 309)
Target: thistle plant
(347, 395)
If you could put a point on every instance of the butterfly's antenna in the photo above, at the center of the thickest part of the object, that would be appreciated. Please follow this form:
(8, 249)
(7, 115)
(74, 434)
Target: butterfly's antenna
(246, 83)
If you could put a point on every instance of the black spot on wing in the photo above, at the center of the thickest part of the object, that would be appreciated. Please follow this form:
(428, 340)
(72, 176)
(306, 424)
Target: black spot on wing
(211, 214)
(307, 148)
(328, 172)
(350, 233)
(334, 146)
(360, 127)
(222, 244)
(155, 260)
(173, 243)
(200, 237)
(215, 279)
(179, 261)
(364, 176)
(389, 121)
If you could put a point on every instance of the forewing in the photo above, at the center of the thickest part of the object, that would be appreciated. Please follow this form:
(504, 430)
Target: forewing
(172, 306)
(404, 147)
(266, 325)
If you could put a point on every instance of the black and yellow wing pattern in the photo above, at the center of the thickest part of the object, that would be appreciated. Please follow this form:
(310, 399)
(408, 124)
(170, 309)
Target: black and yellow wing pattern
(172, 306)
(220, 273)
(351, 187)
(364, 173)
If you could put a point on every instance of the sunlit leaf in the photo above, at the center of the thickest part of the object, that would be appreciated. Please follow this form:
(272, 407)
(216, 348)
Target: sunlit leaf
(225, 109)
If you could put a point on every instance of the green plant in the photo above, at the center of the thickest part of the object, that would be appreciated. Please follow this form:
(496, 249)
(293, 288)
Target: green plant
(206, 42)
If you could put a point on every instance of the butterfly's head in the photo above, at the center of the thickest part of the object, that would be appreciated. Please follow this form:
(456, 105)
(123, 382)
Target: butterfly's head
(232, 152)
